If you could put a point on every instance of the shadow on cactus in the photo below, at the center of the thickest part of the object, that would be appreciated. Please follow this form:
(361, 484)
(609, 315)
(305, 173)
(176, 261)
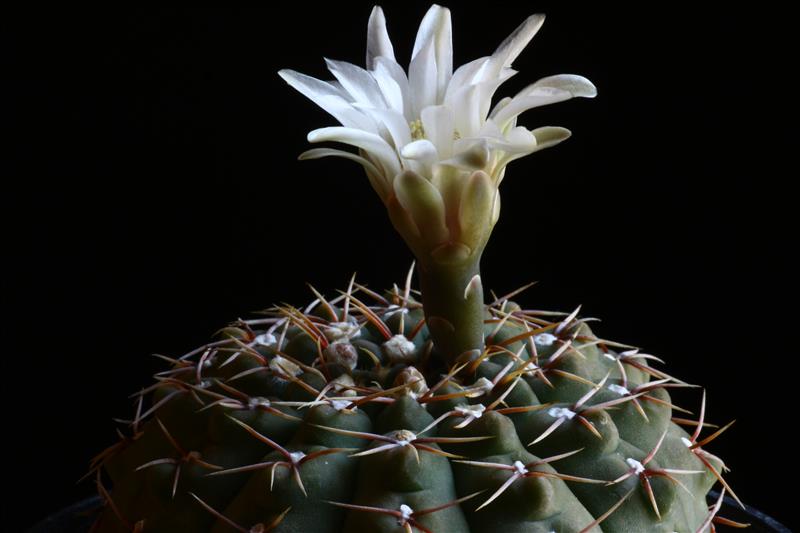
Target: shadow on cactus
(408, 410)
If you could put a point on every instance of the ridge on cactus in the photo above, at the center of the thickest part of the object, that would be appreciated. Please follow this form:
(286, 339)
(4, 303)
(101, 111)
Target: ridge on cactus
(417, 410)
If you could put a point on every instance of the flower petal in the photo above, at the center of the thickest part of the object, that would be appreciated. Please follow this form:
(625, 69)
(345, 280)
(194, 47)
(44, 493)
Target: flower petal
(378, 42)
(372, 143)
(422, 79)
(421, 156)
(436, 27)
(550, 136)
(464, 76)
(536, 97)
(474, 157)
(357, 82)
(375, 176)
(515, 43)
(424, 203)
(437, 122)
(421, 150)
(328, 97)
(393, 83)
(395, 124)
(475, 209)
(318, 153)
(518, 140)
(575, 84)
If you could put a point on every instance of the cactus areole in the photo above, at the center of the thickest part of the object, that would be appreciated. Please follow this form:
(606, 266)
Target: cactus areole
(404, 410)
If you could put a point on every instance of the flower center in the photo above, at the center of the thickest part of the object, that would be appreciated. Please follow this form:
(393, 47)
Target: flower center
(417, 131)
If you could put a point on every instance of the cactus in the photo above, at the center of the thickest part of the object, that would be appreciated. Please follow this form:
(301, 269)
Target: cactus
(408, 410)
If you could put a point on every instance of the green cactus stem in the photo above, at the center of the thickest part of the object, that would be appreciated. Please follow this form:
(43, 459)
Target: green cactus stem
(454, 306)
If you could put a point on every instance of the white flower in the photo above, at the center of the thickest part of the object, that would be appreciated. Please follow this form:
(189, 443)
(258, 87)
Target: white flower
(432, 145)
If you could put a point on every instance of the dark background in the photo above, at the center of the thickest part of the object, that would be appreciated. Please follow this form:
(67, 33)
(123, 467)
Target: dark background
(152, 193)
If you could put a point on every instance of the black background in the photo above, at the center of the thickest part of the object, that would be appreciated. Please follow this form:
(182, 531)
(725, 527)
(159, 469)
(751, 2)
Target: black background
(152, 193)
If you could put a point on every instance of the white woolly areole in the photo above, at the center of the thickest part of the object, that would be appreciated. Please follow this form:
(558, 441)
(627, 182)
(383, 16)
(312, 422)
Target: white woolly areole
(258, 401)
(405, 514)
(282, 365)
(399, 348)
(266, 339)
(638, 467)
(296, 456)
(342, 352)
(545, 339)
(343, 381)
(687, 442)
(561, 412)
(394, 309)
(483, 384)
(336, 331)
(619, 389)
(404, 437)
(519, 468)
(475, 411)
(341, 404)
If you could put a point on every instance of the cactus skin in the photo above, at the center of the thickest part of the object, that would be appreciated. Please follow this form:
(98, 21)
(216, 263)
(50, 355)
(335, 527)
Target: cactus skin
(241, 401)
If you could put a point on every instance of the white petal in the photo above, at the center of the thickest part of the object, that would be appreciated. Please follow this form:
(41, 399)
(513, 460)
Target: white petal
(470, 155)
(471, 103)
(328, 97)
(373, 144)
(422, 79)
(357, 82)
(518, 140)
(378, 42)
(347, 114)
(550, 136)
(515, 43)
(421, 155)
(573, 83)
(317, 153)
(517, 147)
(395, 124)
(436, 27)
(487, 89)
(464, 76)
(376, 178)
(437, 122)
(421, 150)
(491, 129)
(393, 84)
(534, 98)
(465, 106)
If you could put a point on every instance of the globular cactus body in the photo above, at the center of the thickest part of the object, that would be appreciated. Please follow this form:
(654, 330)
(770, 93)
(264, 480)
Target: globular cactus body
(549, 428)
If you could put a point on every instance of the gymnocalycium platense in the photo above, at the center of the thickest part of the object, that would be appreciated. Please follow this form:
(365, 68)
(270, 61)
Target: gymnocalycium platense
(406, 410)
